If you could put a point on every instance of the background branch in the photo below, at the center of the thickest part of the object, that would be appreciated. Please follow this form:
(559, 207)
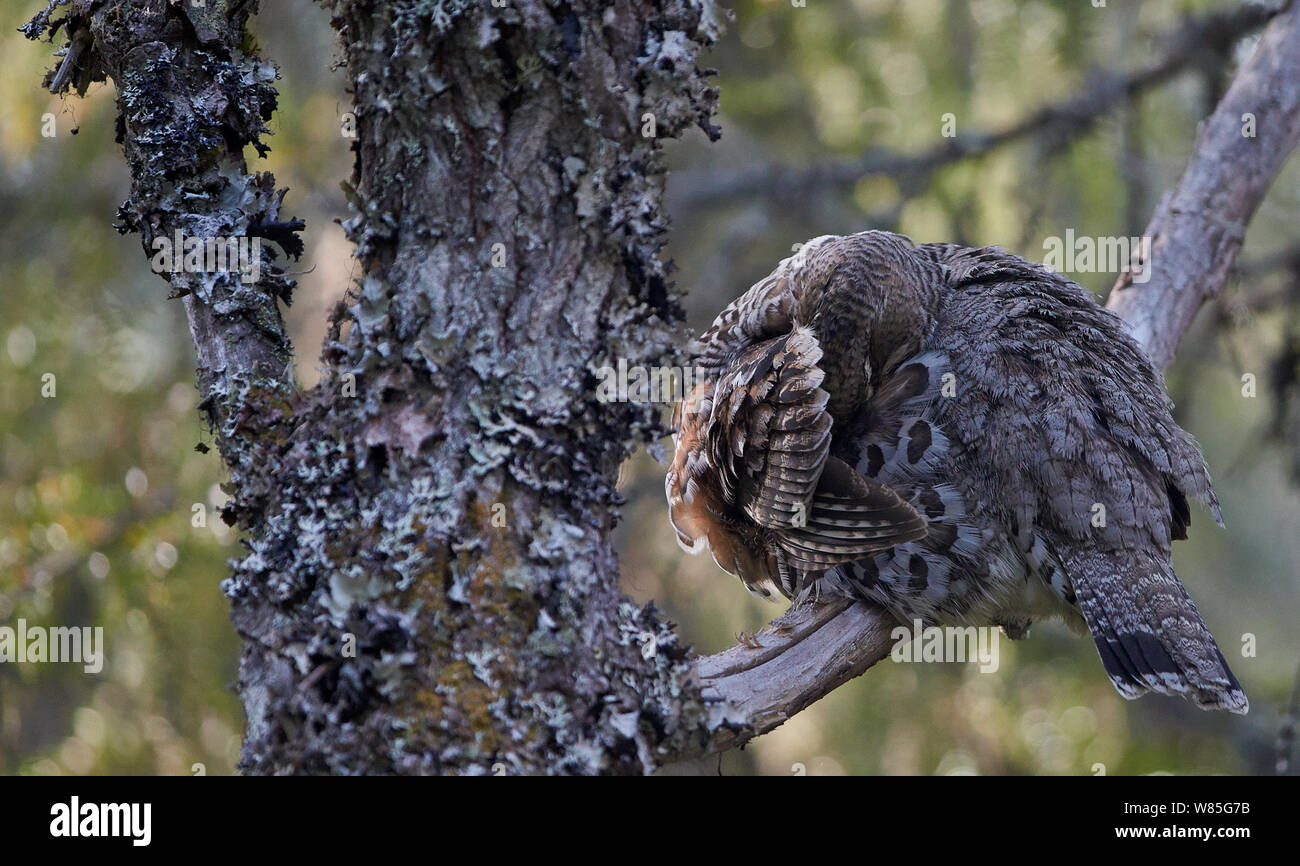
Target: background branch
(812, 650)
(1184, 48)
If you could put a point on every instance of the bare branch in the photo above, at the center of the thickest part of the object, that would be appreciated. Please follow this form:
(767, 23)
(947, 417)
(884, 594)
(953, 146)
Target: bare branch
(1198, 228)
(800, 658)
(812, 650)
(1185, 47)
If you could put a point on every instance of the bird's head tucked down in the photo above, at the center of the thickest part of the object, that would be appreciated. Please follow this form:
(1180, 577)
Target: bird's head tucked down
(867, 299)
(753, 478)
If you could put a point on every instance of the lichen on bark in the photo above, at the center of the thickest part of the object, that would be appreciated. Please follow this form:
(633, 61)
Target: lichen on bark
(191, 94)
(430, 584)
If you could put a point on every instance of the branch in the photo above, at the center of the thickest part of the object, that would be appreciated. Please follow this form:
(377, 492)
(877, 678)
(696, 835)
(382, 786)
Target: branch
(189, 99)
(813, 649)
(1064, 121)
(1198, 228)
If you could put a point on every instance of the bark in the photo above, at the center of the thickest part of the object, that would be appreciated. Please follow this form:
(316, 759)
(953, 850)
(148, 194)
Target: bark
(188, 102)
(430, 583)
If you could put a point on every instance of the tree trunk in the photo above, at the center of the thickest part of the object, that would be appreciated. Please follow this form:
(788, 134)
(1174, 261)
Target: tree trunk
(455, 515)
(431, 584)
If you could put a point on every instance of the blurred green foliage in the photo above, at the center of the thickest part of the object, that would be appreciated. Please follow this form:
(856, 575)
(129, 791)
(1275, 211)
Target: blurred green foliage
(101, 485)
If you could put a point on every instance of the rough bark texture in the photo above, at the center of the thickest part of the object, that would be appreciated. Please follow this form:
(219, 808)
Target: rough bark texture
(430, 584)
(483, 644)
(189, 100)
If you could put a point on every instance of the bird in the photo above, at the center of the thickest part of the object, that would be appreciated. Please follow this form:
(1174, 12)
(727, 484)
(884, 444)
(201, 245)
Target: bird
(957, 435)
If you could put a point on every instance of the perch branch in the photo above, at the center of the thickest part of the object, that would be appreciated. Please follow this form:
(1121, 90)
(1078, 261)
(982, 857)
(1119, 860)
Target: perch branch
(813, 649)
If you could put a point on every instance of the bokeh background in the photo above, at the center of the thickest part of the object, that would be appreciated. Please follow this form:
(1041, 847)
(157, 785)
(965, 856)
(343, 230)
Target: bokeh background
(101, 487)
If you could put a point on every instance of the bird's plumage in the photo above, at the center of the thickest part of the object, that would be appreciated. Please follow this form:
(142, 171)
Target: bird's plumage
(957, 435)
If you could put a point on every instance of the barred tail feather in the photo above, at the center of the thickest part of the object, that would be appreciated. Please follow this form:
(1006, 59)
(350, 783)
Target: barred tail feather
(1148, 632)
